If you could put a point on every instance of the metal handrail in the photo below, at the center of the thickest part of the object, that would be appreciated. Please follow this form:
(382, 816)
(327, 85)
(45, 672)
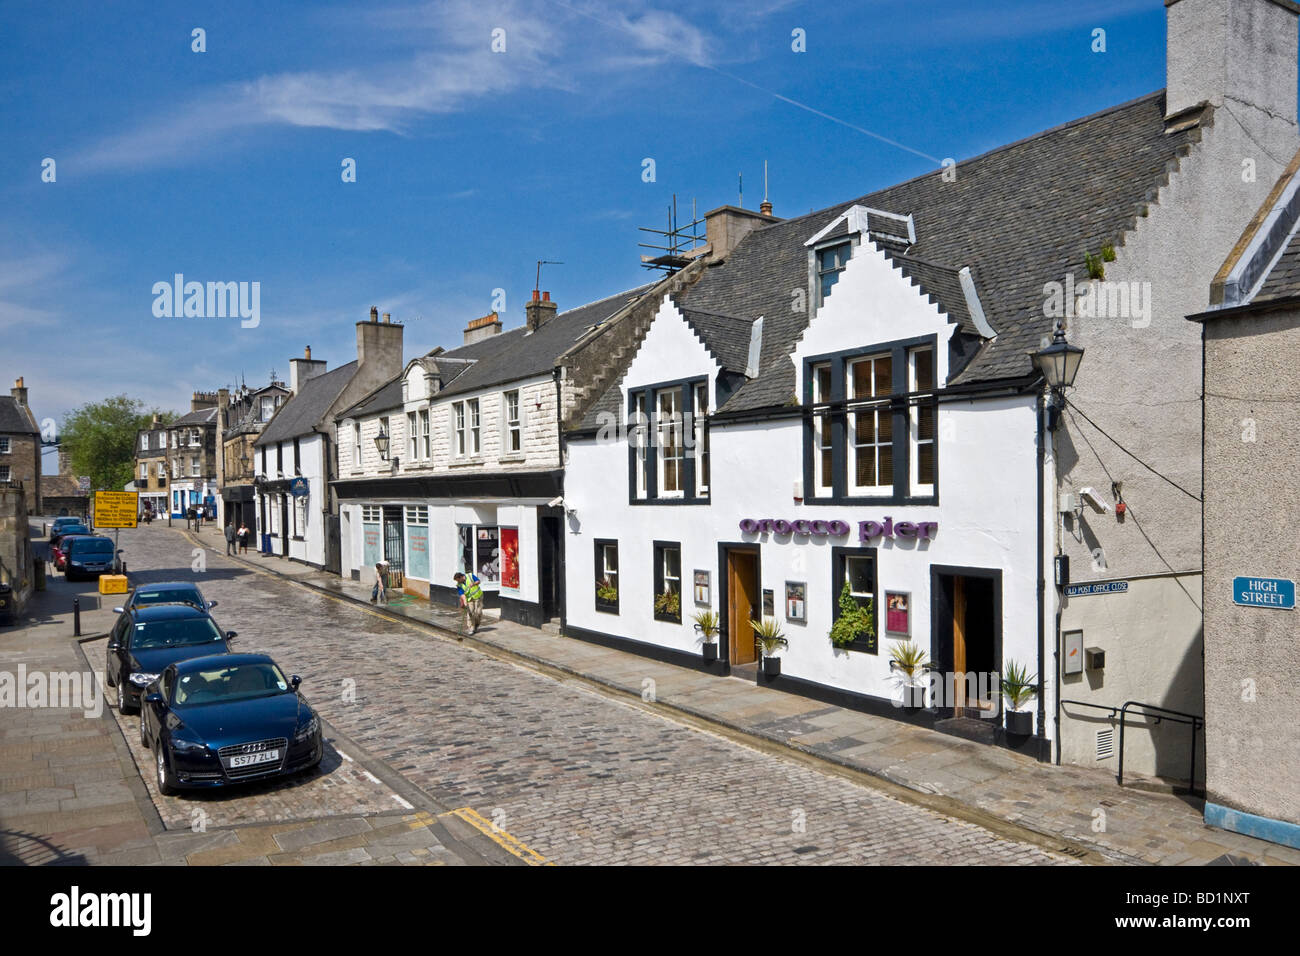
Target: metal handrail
(1196, 722)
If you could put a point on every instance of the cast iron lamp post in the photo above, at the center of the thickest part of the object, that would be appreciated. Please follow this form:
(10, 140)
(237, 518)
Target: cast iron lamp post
(1059, 363)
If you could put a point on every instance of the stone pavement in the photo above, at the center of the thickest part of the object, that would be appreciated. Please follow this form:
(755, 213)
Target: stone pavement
(953, 776)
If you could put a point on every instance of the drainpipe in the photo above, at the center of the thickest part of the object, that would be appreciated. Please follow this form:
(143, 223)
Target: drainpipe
(1042, 582)
(561, 591)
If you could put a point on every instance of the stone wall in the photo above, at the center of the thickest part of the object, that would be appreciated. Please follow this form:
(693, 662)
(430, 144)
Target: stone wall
(15, 547)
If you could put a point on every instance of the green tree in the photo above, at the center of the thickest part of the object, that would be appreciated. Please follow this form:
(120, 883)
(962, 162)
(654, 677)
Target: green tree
(100, 438)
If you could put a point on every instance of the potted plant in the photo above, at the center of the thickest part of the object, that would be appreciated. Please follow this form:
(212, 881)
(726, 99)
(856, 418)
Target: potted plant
(668, 606)
(768, 636)
(606, 594)
(1019, 689)
(706, 622)
(853, 622)
(908, 662)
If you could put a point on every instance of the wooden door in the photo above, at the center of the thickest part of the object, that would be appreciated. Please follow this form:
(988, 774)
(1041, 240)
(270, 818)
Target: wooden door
(959, 644)
(743, 606)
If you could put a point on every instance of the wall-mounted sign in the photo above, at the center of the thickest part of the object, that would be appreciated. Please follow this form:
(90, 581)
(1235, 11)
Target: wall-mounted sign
(867, 530)
(796, 601)
(298, 487)
(898, 613)
(510, 557)
(702, 589)
(1106, 587)
(1264, 592)
(1073, 662)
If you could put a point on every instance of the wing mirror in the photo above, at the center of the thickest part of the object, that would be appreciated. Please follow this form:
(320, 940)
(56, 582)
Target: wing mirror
(296, 681)
(211, 604)
(119, 610)
(153, 699)
(231, 635)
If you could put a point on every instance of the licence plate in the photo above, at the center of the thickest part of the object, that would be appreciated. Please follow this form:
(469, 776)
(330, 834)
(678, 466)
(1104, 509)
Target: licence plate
(248, 760)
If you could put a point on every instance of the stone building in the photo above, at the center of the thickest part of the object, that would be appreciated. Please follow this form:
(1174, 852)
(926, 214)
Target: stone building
(20, 446)
(151, 457)
(241, 417)
(1250, 337)
(192, 457)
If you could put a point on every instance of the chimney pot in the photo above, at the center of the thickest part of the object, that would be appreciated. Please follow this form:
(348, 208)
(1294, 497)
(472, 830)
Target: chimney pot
(546, 297)
(374, 314)
(308, 353)
(388, 318)
(535, 295)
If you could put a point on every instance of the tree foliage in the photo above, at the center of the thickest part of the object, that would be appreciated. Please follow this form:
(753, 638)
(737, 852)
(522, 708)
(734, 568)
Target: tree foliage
(100, 439)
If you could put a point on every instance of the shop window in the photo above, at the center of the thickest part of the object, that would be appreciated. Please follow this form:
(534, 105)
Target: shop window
(668, 581)
(417, 514)
(480, 551)
(857, 568)
(607, 576)
(300, 516)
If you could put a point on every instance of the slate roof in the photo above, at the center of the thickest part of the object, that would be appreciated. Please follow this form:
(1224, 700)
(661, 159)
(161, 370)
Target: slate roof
(1283, 281)
(386, 396)
(16, 419)
(725, 336)
(304, 411)
(204, 416)
(1019, 216)
(517, 354)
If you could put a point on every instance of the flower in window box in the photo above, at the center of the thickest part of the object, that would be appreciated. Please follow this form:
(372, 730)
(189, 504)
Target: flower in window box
(668, 603)
(606, 592)
(854, 621)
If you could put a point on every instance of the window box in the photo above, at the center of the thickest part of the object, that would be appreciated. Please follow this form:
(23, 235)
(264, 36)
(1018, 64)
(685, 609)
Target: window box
(606, 565)
(668, 581)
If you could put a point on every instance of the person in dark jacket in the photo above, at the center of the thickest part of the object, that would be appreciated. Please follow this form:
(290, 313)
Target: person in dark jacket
(230, 538)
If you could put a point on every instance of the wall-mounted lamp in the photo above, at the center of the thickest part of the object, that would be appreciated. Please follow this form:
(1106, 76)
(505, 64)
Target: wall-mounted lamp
(381, 442)
(1059, 363)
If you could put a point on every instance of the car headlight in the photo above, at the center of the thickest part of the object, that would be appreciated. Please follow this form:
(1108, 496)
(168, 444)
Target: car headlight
(143, 680)
(180, 745)
(307, 730)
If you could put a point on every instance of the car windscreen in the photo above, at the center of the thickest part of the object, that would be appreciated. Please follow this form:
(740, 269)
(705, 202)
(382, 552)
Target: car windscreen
(93, 546)
(73, 529)
(151, 635)
(167, 596)
(223, 685)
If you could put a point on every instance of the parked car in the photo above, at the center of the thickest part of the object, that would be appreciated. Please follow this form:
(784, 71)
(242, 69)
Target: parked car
(67, 529)
(87, 555)
(146, 639)
(166, 592)
(60, 523)
(59, 551)
(227, 719)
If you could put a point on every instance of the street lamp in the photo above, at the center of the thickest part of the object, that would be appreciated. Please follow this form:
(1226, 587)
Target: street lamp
(1059, 363)
(381, 442)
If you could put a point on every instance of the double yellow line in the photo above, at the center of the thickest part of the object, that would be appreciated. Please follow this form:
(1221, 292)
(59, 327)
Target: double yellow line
(500, 837)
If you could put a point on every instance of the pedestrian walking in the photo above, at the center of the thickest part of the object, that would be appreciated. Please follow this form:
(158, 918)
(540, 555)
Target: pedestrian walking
(192, 518)
(379, 594)
(230, 538)
(243, 538)
(471, 599)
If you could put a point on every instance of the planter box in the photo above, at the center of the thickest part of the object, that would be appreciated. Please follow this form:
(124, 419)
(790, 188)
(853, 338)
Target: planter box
(913, 697)
(1020, 722)
(710, 651)
(771, 667)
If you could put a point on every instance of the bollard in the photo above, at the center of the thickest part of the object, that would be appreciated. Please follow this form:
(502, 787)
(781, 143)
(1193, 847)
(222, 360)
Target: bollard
(76, 617)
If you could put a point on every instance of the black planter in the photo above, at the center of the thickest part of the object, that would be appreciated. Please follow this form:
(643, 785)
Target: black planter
(771, 667)
(710, 651)
(913, 697)
(1020, 723)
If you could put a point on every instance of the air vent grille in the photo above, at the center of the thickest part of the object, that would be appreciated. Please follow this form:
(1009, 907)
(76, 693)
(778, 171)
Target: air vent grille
(1105, 743)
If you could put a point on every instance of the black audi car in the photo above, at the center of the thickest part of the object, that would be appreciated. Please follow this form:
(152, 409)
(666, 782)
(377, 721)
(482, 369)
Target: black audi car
(86, 556)
(166, 592)
(146, 639)
(227, 719)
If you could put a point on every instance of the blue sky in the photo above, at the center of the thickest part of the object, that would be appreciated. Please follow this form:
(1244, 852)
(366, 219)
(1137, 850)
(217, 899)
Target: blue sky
(471, 164)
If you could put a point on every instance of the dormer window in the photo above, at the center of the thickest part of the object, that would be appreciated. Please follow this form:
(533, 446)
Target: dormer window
(831, 261)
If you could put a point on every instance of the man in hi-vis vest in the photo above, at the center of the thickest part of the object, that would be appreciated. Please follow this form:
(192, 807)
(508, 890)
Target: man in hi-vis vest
(471, 598)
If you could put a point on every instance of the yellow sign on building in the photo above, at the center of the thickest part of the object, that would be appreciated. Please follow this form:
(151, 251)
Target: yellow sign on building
(116, 509)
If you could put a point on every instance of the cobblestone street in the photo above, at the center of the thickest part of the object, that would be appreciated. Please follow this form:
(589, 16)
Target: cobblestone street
(573, 775)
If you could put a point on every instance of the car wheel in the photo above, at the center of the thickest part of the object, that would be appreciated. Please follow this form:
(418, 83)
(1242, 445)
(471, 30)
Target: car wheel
(164, 775)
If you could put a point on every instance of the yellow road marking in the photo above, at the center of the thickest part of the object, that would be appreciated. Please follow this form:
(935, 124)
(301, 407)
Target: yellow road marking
(500, 837)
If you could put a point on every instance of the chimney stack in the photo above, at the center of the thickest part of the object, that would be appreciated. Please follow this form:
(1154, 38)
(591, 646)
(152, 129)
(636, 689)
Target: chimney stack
(19, 392)
(727, 225)
(539, 311)
(484, 328)
(1242, 51)
(379, 351)
(374, 314)
(302, 370)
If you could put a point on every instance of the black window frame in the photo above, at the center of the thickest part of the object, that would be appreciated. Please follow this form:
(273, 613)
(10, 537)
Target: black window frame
(659, 548)
(686, 402)
(839, 569)
(820, 250)
(598, 571)
(900, 405)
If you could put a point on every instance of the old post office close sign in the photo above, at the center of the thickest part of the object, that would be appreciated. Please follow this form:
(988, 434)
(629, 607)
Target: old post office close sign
(1264, 592)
